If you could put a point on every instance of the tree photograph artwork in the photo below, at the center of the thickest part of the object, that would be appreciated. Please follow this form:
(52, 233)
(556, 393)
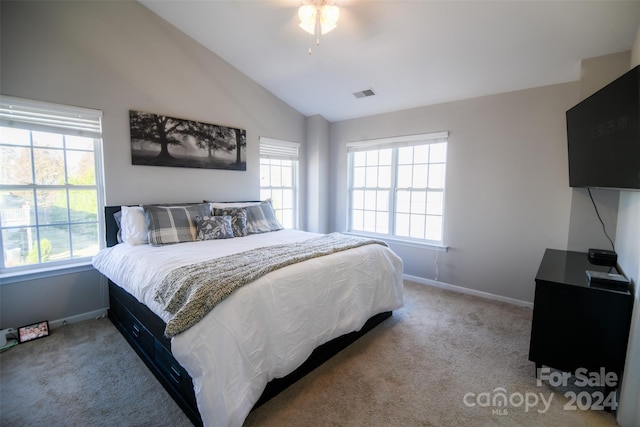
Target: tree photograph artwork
(167, 141)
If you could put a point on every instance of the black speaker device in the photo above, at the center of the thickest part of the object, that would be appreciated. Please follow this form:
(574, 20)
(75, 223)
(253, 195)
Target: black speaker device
(603, 257)
(607, 279)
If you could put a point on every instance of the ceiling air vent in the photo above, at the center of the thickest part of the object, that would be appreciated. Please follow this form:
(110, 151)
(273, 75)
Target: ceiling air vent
(364, 93)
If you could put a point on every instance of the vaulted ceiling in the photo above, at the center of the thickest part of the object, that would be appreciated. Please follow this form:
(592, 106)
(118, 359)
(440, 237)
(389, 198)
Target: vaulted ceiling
(410, 53)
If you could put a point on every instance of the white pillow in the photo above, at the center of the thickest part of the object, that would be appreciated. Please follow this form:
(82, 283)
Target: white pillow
(134, 225)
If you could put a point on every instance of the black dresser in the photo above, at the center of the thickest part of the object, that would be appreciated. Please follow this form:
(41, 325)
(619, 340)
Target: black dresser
(575, 324)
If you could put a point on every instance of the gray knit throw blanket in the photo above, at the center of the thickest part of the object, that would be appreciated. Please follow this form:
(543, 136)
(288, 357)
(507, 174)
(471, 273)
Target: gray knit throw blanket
(190, 292)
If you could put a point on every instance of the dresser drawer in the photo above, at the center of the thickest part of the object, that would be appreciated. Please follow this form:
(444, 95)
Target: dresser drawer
(140, 335)
(176, 374)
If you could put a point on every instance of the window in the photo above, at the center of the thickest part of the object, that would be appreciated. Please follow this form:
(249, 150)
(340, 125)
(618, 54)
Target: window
(396, 186)
(51, 192)
(279, 178)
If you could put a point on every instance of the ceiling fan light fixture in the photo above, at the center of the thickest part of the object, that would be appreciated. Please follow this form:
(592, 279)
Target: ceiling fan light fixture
(318, 16)
(307, 15)
(328, 18)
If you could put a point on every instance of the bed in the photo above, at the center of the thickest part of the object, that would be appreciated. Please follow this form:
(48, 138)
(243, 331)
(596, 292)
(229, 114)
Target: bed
(265, 334)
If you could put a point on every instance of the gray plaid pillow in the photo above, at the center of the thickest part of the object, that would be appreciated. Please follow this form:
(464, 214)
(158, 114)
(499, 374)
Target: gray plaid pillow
(262, 218)
(167, 225)
(213, 227)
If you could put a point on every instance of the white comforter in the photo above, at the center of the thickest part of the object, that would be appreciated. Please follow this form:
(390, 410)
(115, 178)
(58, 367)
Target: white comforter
(265, 329)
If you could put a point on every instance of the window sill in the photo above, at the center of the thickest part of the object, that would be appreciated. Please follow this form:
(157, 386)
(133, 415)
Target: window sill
(405, 242)
(42, 273)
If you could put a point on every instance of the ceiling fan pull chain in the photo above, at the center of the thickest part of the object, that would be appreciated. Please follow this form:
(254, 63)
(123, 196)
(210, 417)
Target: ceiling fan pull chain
(318, 27)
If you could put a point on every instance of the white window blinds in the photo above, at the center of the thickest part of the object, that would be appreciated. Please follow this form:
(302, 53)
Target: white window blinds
(398, 141)
(47, 117)
(278, 149)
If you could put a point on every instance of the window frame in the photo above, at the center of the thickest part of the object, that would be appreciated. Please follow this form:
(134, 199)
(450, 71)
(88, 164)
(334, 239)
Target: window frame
(67, 121)
(394, 143)
(276, 149)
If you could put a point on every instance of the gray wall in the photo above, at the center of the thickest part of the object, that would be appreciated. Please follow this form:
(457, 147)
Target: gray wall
(58, 297)
(116, 56)
(507, 192)
(317, 173)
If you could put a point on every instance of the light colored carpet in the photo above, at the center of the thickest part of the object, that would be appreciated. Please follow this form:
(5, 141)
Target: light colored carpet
(413, 370)
(84, 374)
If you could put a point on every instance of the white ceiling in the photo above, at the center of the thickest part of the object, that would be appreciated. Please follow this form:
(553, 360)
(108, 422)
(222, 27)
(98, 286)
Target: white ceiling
(411, 53)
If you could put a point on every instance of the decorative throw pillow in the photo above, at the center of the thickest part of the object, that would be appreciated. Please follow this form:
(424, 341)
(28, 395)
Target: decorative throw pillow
(213, 227)
(262, 218)
(133, 225)
(173, 224)
(238, 219)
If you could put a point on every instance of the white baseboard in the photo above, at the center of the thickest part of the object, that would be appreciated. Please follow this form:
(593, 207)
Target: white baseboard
(78, 318)
(468, 291)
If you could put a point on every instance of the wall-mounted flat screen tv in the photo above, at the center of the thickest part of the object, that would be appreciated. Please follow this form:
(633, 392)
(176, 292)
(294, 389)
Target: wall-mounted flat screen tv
(603, 134)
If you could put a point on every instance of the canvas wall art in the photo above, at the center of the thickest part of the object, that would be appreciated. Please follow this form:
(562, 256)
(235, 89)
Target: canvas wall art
(158, 140)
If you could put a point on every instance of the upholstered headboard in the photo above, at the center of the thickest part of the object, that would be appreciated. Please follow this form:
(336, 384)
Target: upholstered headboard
(111, 226)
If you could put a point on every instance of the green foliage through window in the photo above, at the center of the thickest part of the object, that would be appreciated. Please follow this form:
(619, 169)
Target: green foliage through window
(50, 197)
